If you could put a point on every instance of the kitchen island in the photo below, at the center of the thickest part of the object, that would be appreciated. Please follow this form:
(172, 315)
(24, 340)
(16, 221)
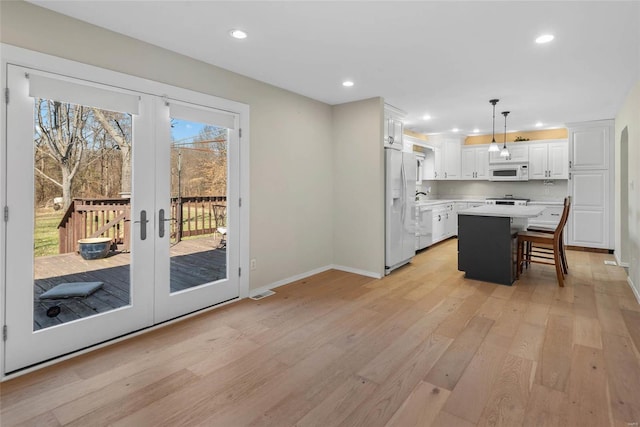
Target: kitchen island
(487, 239)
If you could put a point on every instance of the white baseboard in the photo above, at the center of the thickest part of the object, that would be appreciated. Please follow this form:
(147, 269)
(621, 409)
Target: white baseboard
(306, 274)
(356, 271)
(620, 263)
(253, 292)
(635, 290)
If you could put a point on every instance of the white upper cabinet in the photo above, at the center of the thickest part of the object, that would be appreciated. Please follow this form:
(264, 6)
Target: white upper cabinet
(447, 156)
(451, 159)
(393, 127)
(589, 146)
(558, 160)
(474, 162)
(549, 160)
(518, 153)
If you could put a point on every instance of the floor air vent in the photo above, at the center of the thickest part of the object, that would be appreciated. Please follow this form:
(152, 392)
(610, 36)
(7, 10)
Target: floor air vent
(607, 262)
(262, 295)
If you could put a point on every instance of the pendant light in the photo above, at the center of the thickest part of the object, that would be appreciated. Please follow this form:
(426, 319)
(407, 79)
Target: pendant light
(505, 151)
(493, 147)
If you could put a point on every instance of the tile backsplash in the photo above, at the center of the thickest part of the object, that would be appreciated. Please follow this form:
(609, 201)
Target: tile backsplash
(552, 190)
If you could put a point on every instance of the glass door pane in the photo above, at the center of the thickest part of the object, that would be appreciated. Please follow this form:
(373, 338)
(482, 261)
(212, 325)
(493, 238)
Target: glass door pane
(82, 209)
(77, 260)
(198, 204)
(197, 175)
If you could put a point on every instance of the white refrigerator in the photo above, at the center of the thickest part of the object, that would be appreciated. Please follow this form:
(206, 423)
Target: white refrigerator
(400, 208)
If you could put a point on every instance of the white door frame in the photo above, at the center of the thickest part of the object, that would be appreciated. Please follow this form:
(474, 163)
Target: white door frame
(31, 59)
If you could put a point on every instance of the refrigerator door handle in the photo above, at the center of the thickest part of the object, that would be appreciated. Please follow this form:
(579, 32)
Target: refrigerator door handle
(402, 191)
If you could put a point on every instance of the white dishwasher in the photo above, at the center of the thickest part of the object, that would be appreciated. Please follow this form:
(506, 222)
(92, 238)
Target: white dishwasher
(424, 235)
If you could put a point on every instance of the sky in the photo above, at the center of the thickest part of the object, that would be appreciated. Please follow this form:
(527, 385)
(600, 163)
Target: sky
(182, 129)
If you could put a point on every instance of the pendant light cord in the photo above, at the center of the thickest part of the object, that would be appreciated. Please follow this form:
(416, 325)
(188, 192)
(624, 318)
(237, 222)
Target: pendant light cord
(493, 130)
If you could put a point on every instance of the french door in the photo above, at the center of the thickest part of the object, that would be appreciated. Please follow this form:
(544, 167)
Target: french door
(120, 213)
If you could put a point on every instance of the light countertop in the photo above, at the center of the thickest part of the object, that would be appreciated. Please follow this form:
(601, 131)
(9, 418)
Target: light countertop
(504, 211)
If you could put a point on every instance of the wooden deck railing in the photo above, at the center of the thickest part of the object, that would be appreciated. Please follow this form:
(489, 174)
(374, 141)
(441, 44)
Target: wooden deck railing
(191, 216)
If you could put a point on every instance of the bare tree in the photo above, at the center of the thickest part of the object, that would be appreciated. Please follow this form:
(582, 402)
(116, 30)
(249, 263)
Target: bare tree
(119, 130)
(60, 128)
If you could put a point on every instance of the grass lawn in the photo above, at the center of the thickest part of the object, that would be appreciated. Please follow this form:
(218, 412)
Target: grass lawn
(45, 240)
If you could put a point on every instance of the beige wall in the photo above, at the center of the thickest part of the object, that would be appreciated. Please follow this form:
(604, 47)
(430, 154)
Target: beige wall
(291, 182)
(629, 117)
(358, 174)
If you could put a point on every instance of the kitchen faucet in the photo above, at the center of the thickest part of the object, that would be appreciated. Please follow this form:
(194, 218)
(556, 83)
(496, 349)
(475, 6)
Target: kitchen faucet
(418, 193)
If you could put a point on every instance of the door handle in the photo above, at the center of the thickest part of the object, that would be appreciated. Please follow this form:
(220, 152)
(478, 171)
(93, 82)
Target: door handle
(161, 221)
(143, 224)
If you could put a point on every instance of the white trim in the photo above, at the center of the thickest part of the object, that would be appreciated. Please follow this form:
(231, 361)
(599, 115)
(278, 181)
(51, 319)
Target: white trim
(620, 263)
(371, 274)
(309, 273)
(635, 290)
(288, 280)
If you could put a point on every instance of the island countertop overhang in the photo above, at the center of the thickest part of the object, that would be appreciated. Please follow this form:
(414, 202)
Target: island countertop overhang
(504, 211)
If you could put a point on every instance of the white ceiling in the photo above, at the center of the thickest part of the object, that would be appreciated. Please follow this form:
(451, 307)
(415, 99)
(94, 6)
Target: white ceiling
(443, 58)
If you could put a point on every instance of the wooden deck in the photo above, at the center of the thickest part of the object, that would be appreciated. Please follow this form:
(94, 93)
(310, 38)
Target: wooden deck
(193, 262)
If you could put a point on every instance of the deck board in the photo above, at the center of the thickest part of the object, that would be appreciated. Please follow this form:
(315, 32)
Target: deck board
(193, 262)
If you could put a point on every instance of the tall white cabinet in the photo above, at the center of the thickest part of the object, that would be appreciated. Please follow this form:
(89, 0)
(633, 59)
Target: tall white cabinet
(591, 184)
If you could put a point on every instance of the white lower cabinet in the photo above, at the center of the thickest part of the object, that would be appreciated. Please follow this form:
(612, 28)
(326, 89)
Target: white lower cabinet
(445, 223)
(424, 233)
(438, 224)
(589, 220)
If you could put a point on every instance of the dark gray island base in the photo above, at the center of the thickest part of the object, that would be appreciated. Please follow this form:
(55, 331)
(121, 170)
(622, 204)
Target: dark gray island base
(487, 248)
(487, 243)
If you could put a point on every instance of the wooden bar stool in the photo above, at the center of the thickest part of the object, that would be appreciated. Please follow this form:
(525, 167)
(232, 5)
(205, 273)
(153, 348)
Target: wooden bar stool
(545, 247)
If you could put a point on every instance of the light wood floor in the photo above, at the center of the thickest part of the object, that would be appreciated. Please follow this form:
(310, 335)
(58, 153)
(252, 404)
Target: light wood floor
(421, 347)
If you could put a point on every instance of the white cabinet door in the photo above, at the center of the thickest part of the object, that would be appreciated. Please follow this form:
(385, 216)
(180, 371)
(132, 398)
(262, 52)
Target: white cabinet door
(589, 147)
(439, 219)
(468, 163)
(474, 163)
(548, 160)
(538, 164)
(452, 160)
(589, 219)
(482, 162)
(557, 161)
(438, 163)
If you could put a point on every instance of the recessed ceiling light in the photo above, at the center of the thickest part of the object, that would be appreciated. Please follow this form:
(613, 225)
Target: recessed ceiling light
(347, 83)
(539, 124)
(455, 130)
(476, 130)
(238, 34)
(426, 117)
(545, 38)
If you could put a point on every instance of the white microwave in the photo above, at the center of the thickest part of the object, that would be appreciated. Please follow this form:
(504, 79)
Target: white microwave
(509, 172)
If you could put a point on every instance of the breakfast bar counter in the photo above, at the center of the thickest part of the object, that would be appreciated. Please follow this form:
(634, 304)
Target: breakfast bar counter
(487, 240)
